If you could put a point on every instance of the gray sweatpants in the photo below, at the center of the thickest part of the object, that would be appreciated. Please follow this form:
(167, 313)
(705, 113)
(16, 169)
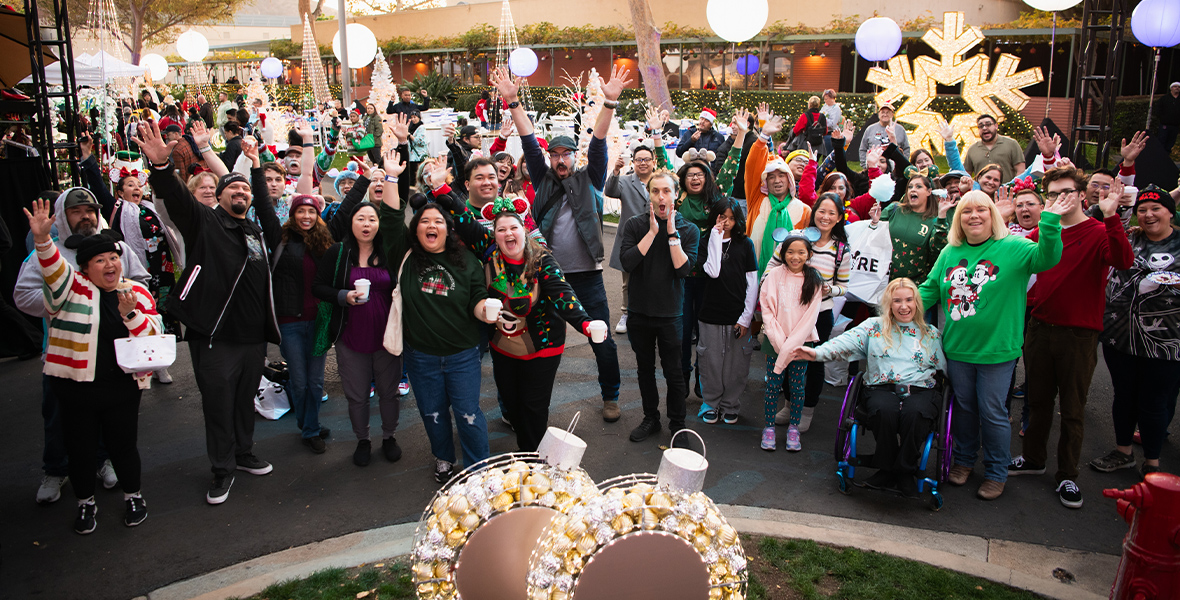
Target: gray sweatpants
(724, 362)
(357, 370)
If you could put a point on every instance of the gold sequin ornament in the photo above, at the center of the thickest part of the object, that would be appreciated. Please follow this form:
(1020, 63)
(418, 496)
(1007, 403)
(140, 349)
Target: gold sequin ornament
(455, 537)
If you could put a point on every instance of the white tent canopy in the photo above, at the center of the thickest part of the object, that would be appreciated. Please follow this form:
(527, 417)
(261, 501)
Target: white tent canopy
(92, 71)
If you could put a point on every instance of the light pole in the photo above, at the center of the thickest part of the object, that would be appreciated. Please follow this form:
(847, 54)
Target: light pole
(345, 72)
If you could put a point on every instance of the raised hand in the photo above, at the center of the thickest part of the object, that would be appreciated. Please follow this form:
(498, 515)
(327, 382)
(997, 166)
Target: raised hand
(401, 127)
(945, 204)
(438, 173)
(40, 220)
(891, 133)
(250, 149)
(507, 85)
(1004, 202)
(875, 213)
(506, 126)
(966, 184)
(86, 146)
(619, 164)
(946, 131)
(152, 145)
(651, 218)
(1048, 144)
(303, 128)
(741, 124)
(390, 162)
(201, 134)
(671, 221)
(1109, 204)
(449, 131)
(873, 156)
(1130, 152)
(656, 119)
(1065, 203)
(764, 111)
(774, 124)
(619, 78)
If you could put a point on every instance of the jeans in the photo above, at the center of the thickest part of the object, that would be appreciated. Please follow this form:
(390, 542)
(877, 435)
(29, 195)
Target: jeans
(980, 417)
(306, 386)
(446, 384)
(647, 334)
(592, 294)
(694, 295)
(1145, 395)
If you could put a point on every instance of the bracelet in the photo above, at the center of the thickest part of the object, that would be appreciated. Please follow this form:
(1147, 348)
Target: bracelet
(765, 138)
(673, 241)
(43, 246)
(308, 145)
(204, 149)
(611, 104)
(391, 179)
(163, 167)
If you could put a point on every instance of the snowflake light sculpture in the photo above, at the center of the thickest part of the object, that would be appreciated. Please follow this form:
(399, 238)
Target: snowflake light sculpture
(919, 83)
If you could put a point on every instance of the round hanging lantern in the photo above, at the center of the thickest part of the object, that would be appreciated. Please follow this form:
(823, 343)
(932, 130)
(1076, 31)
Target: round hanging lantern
(522, 62)
(474, 539)
(879, 38)
(737, 20)
(156, 65)
(1052, 5)
(192, 46)
(1156, 23)
(362, 46)
(747, 65)
(272, 67)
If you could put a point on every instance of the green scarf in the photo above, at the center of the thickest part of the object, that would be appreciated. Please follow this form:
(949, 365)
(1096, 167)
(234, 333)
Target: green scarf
(778, 217)
(694, 210)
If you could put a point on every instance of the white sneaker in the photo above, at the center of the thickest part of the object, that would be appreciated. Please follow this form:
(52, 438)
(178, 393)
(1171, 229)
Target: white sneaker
(783, 416)
(622, 326)
(106, 473)
(50, 490)
(805, 419)
(163, 376)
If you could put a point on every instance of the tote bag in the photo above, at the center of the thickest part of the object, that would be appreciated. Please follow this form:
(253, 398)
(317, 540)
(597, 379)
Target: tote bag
(392, 340)
(145, 353)
(872, 251)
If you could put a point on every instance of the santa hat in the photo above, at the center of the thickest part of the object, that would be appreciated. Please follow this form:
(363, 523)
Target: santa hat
(708, 114)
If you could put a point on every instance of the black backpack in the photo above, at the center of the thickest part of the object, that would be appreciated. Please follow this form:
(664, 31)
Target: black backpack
(815, 129)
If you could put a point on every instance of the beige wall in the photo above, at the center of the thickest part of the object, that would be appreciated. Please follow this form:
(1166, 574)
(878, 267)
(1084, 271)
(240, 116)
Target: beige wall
(455, 20)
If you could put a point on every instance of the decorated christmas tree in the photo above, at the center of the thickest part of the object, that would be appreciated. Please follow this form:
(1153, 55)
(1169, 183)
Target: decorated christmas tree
(256, 88)
(313, 69)
(381, 93)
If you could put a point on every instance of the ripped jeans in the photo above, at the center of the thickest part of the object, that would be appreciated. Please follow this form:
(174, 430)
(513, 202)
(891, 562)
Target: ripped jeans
(444, 385)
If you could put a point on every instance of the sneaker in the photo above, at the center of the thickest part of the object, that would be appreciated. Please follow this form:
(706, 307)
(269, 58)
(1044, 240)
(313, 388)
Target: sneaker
(1069, 494)
(1018, 392)
(372, 391)
(135, 512)
(681, 441)
(325, 398)
(403, 388)
(86, 521)
(390, 449)
(959, 474)
(219, 489)
(1137, 439)
(50, 490)
(163, 376)
(990, 490)
(507, 423)
(443, 470)
(253, 465)
(107, 474)
(325, 433)
(1113, 461)
(1146, 468)
(793, 443)
(783, 416)
(622, 326)
(646, 429)
(805, 420)
(729, 418)
(768, 441)
(610, 411)
(316, 444)
(360, 456)
(883, 479)
(1019, 466)
(710, 416)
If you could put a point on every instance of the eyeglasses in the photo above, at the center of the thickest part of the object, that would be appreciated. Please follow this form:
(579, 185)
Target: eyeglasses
(1055, 195)
(1099, 186)
(642, 161)
(695, 176)
(563, 156)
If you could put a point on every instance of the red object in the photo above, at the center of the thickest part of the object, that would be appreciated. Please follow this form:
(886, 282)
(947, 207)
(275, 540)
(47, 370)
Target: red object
(1073, 293)
(1150, 567)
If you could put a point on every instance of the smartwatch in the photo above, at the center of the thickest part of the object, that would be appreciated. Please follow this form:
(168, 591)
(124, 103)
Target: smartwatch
(130, 315)
(514, 104)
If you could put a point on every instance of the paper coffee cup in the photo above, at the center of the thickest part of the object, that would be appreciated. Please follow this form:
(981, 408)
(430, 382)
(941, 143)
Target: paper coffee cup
(597, 331)
(491, 308)
(362, 286)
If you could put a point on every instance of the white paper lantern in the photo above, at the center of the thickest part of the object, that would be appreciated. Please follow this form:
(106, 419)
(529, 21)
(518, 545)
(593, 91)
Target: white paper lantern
(1156, 23)
(1052, 5)
(522, 62)
(362, 46)
(156, 65)
(192, 46)
(879, 38)
(272, 67)
(737, 20)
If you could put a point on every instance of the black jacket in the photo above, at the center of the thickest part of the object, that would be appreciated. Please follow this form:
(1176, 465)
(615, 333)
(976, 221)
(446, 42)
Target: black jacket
(215, 243)
(406, 108)
(1167, 109)
(233, 147)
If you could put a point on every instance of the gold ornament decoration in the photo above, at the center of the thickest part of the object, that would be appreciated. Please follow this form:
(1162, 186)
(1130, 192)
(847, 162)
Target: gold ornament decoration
(919, 83)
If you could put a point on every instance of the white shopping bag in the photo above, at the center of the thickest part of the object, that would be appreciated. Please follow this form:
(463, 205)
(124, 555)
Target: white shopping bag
(872, 250)
(271, 400)
(145, 353)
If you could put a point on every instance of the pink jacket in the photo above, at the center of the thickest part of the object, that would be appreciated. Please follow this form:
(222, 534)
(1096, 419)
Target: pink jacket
(787, 322)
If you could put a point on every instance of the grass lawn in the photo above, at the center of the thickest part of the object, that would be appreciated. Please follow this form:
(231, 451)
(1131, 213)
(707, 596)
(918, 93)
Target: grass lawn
(779, 570)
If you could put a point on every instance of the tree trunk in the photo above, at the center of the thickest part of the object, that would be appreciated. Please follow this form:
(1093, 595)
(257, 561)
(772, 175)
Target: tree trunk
(137, 12)
(651, 65)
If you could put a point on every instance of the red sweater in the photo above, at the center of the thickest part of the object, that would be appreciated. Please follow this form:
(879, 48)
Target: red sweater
(1073, 293)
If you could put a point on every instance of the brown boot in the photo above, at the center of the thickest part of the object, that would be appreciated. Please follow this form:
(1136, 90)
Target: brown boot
(610, 411)
(959, 474)
(990, 490)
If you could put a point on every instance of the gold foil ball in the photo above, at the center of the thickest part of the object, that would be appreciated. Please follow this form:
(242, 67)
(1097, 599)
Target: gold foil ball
(727, 535)
(455, 537)
(469, 521)
(459, 505)
(423, 571)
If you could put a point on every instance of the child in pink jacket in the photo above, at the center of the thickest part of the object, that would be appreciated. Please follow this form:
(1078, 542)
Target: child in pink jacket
(790, 299)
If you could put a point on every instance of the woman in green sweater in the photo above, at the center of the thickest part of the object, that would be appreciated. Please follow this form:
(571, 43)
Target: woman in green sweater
(980, 280)
(917, 227)
(443, 296)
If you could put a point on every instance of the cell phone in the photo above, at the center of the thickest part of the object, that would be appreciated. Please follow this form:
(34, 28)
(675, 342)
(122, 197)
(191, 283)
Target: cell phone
(737, 333)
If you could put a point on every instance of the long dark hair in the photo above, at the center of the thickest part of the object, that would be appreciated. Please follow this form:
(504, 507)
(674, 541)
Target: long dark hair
(739, 218)
(931, 199)
(376, 257)
(533, 250)
(830, 182)
(708, 193)
(317, 239)
(455, 250)
(838, 232)
(812, 281)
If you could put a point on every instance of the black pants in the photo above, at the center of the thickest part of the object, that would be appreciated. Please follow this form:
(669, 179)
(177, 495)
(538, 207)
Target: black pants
(375, 157)
(227, 375)
(526, 387)
(408, 178)
(647, 334)
(814, 384)
(1145, 395)
(911, 418)
(109, 410)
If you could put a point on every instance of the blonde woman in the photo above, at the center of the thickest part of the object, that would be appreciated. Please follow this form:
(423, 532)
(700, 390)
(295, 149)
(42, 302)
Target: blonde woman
(902, 354)
(980, 280)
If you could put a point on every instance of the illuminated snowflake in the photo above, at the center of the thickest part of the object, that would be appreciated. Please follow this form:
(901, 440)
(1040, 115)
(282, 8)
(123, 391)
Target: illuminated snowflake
(919, 83)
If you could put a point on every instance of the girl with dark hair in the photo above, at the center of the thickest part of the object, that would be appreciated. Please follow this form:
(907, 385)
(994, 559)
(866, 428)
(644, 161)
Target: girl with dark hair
(443, 302)
(790, 297)
(724, 345)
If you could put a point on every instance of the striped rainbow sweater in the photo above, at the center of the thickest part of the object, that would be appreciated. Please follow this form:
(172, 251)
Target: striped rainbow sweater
(72, 302)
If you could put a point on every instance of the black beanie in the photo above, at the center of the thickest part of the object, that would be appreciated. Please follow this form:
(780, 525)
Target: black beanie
(90, 246)
(229, 178)
(1153, 193)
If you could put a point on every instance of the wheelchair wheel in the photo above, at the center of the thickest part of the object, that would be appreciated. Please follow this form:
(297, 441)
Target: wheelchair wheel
(935, 500)
(846, 418)
(943, 440)
(845, 482)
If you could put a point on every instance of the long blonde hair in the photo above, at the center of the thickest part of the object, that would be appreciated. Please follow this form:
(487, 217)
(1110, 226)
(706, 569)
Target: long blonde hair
(888, 325)
(975, 198)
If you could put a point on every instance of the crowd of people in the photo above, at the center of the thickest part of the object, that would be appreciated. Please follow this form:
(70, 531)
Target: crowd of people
(410, 267)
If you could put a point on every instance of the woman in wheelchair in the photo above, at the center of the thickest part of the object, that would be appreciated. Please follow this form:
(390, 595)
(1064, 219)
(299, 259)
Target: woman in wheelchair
(902, 353)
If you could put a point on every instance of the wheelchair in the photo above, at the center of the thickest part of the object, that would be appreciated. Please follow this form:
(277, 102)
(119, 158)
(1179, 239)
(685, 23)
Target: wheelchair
(934, 465)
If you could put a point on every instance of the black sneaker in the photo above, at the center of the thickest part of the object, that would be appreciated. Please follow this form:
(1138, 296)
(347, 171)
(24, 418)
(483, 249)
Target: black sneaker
(136, 511)
(364, 449)
(1019, 466)
(316, 444)
(908, 486)
(219, 489)
(253, 465)
(86, 522)
(443, 470)
(1113, 461)
(881, 480)
(1069, 494)
(729, 418)
(711, 416)
(325, 433)
(1146, 468)
(393, 452)
(646, 429)
(678, 441)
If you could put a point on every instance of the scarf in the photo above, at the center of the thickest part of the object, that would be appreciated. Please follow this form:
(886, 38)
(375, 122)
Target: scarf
(778, 217)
